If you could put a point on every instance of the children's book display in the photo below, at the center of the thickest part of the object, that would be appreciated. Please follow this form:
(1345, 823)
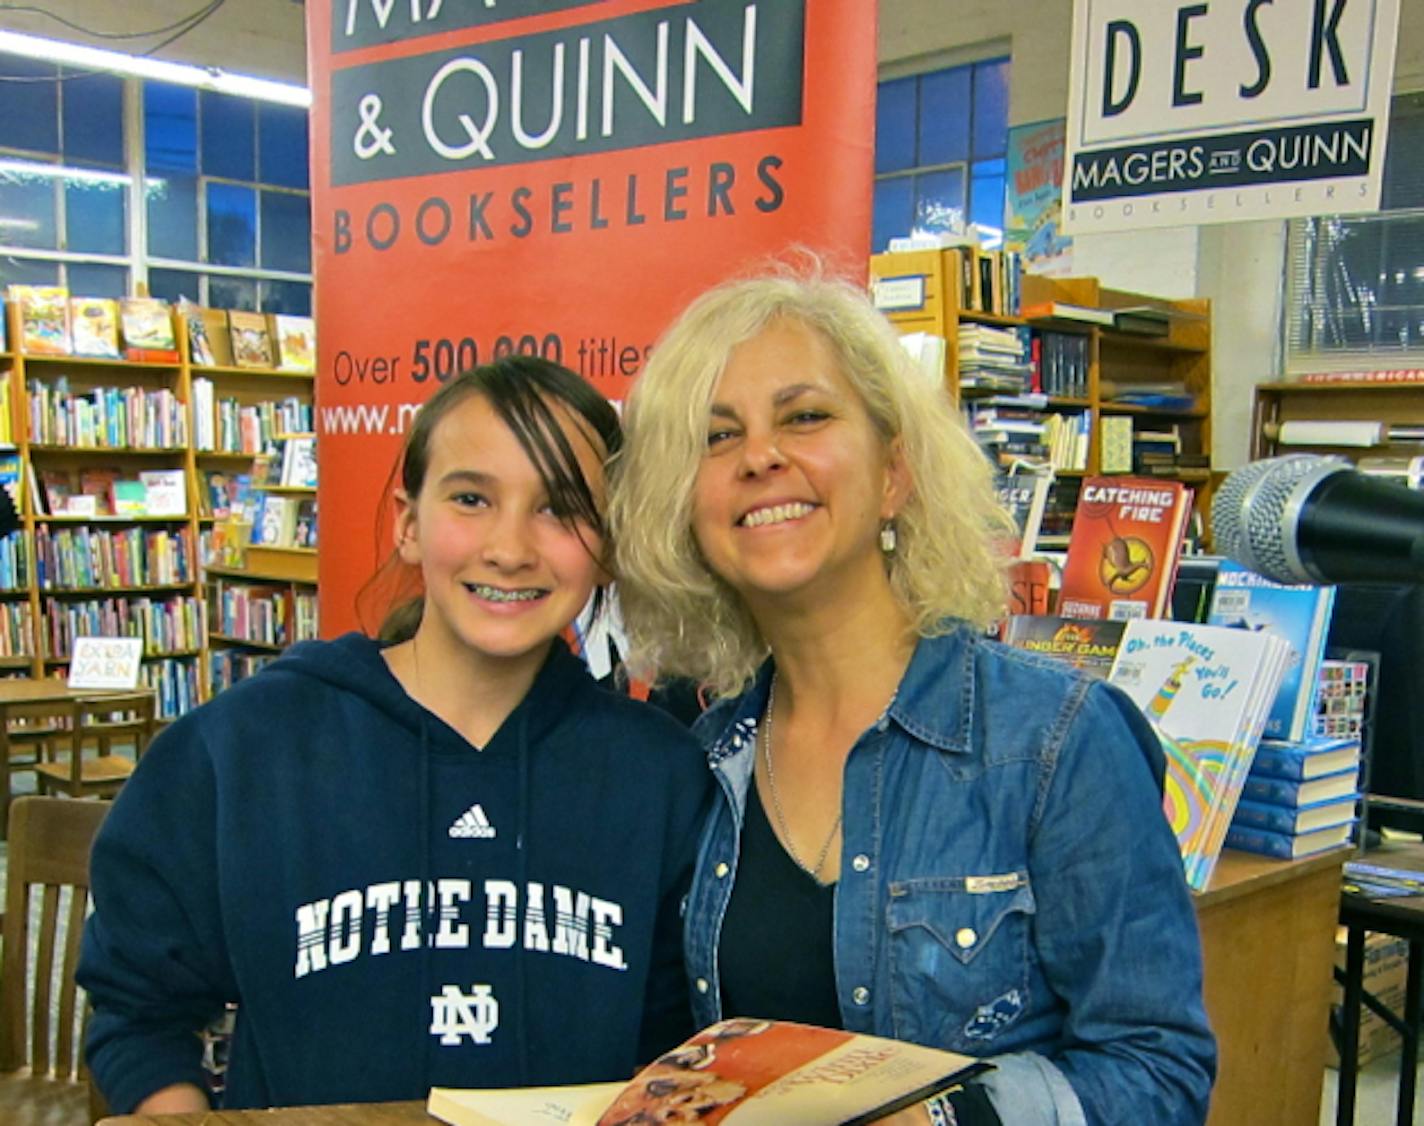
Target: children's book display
(1123, 549)
(251, 339)
(1301, 615)
(296, 342)
(742, 1072)
(94, 326)
(148, 330)
(1206, 690)
(299, 462)
(44, 318)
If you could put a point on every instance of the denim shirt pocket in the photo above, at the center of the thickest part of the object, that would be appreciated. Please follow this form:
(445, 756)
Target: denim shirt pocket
(960, 958)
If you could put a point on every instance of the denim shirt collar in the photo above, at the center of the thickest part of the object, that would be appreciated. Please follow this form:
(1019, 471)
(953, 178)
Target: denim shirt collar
(920, 706)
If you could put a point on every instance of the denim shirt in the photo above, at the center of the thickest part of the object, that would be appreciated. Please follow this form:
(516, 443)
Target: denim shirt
(1009, 886)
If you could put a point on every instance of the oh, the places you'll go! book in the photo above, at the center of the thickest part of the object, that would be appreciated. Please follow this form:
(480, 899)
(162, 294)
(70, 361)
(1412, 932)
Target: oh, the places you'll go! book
(742, 1072)
(1300, 614)
(1206, 690)
(1123, 549)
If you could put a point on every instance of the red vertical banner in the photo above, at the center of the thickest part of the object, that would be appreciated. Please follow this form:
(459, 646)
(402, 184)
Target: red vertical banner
(553, 177)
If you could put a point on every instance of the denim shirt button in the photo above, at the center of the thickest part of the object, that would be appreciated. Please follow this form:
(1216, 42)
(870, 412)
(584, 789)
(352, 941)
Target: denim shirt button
(860, 862)
(721, 871)
(702, 985)
(860, 995)
(965, 937)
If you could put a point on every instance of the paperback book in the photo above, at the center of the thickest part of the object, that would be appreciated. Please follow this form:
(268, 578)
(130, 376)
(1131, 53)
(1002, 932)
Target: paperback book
(1301, 615)
(94, 326)
(742, 1072)
(296, 342)
(1123, 549)
(1023, 493)
(1206, 690)
(148, 330)
(1087, 645)
(43, 313)
(251, 340)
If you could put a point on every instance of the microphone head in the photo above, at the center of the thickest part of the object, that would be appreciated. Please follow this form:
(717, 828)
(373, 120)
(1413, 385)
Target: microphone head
(1255, 513)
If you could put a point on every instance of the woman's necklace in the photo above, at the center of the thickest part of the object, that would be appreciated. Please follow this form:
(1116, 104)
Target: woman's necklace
(814, 872)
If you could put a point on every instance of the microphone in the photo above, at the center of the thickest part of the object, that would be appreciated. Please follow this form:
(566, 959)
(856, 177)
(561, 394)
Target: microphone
(1309, 519)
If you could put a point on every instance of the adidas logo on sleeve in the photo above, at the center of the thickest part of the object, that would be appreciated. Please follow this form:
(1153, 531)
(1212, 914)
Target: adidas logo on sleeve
(472, 823)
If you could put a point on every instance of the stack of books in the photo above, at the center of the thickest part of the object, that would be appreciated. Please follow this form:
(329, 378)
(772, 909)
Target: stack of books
(994, 358)
(1299, 798)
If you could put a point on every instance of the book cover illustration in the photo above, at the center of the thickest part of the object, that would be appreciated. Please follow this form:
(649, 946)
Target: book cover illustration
(1122, 551)
(94, 326)
(1024, 495)
(148, 329)
(296, 342)
(742, 1071)
(217, 332)
(1083, 643)
(305, 532)
(200, 346)
(251, 341)
(165, 492)
(1300, 614)
(1206, 691)
(299, 466)
(44, 318)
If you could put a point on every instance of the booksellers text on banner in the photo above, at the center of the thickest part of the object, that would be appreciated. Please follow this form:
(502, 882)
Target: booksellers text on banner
(554, 179)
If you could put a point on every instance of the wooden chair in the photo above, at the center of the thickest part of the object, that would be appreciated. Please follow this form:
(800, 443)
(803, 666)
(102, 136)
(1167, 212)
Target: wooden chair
(43, 1084)
(106, 721)
(26, 734)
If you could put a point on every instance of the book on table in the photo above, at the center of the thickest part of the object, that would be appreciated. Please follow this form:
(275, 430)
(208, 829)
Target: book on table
(1300, 614)
(1084, 644)
(1295, 793)
(1123, 548)
(1287, 846)
(1294, 818)
(1206, 691)
(1312, 757)
(742, 1072)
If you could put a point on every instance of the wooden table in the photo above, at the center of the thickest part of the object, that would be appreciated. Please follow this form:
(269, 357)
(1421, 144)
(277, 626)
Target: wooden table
(1403, 917)
(368, 1114)
(1268, 941)
(33, 696)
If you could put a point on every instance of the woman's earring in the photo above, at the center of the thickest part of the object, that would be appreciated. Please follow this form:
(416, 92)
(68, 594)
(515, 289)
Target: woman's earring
(887, 537)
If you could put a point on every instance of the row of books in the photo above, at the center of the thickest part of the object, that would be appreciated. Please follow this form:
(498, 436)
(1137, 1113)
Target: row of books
(101, 491)
(167, 626)
(264, 614)
(227, 666)
(17, 630)
(1127, 448)
(14, 562)
(284, 521)
(985, 281)
(229, 426)
(87, 558)
(175, 684)
(1060, 363)
(54, 323)
(118, 417)
(994, 358)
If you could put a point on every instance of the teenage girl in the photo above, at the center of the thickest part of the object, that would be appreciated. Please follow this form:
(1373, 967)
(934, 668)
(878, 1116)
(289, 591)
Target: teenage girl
(452, 860)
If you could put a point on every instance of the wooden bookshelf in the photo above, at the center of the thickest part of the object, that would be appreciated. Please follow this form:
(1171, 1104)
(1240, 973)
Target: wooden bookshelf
(18, 372)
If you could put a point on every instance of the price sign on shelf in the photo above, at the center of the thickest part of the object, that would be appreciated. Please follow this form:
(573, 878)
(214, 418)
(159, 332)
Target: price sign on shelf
(105, 662)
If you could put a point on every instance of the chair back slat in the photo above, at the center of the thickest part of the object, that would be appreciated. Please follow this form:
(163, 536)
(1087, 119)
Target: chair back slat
(44, 981)
(66, 1059)
(49, 847)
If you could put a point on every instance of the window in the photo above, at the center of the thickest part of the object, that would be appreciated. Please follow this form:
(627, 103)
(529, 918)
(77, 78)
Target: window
(226, 198)
(210, 200)
(1355, 284)
(64, 184)
(940, 140)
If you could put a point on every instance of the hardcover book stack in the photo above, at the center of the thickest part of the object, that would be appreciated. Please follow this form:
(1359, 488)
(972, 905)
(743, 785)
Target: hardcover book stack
(994, 358)
(1299, 798)
(1206, 691)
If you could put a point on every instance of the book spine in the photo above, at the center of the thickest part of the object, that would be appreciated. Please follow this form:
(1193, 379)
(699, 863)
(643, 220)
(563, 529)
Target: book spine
(1259, 841)
(1278, 764)
(1275, 819)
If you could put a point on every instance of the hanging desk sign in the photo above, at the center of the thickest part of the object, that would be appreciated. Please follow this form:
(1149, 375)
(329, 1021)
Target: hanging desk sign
(554, 178)
(1188, 113)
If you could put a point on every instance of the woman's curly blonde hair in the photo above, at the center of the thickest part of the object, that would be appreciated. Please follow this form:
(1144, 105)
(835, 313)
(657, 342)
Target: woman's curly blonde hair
(682, 619)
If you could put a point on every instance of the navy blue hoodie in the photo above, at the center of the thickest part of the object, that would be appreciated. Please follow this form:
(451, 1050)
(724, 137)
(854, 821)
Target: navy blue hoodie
(271, 848)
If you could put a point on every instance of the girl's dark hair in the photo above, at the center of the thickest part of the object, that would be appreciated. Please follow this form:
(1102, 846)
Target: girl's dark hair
(521, 390)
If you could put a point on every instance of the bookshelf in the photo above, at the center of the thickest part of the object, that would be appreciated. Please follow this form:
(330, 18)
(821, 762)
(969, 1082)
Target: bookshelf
(1151, 391)
(107, 438)
(1398, 408)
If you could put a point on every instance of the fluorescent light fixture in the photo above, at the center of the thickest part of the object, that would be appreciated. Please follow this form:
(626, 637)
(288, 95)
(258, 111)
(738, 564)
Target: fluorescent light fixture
(61, 172)
(183, 74)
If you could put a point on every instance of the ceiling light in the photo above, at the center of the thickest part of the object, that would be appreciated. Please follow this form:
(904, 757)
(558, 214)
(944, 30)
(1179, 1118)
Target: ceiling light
(183, 74)
(60, 171)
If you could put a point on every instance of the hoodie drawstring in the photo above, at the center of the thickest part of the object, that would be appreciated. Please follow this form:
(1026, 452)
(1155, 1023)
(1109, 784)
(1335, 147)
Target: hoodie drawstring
(427, 897)
(521, 845)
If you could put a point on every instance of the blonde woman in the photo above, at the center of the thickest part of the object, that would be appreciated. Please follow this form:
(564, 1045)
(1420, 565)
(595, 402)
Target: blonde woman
(920, 833)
